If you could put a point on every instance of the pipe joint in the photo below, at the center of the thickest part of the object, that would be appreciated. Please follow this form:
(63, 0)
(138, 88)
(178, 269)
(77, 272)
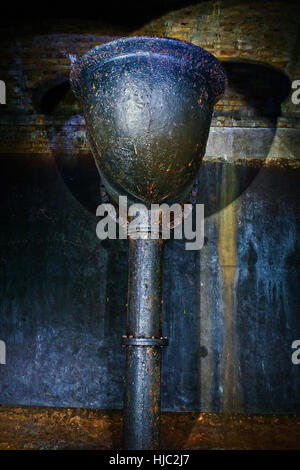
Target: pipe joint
(150, 342)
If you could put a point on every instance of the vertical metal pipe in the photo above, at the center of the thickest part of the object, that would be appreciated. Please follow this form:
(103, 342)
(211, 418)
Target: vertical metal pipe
(193, 81)
(144, 344)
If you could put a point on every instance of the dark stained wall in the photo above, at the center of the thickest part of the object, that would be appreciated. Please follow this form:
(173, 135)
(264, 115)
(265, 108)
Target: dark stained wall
(231, 311)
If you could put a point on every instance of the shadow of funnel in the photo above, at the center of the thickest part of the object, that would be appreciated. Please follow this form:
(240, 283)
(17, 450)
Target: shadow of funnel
(259, 91)
(148, 104)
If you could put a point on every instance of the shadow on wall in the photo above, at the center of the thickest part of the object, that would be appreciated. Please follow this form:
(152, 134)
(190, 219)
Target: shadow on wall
(258, 90)
(262, 87)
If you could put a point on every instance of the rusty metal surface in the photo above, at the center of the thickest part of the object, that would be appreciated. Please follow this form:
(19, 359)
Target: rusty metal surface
(143, 361)
(75, 428)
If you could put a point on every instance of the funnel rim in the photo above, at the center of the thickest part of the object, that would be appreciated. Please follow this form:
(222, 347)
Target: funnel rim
(197, 58)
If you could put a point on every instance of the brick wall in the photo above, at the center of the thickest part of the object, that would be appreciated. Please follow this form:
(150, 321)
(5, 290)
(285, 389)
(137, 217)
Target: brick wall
(261, 35)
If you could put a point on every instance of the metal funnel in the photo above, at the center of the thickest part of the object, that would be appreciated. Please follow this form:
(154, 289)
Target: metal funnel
(148, 104)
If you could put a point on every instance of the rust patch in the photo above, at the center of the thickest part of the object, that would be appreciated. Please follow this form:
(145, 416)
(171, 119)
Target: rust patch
(78, 428)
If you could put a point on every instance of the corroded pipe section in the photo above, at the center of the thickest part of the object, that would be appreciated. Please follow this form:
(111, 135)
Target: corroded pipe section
(144, 344)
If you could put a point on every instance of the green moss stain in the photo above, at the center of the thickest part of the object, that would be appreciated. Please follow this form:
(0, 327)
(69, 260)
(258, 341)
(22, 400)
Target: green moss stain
(227, 250)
